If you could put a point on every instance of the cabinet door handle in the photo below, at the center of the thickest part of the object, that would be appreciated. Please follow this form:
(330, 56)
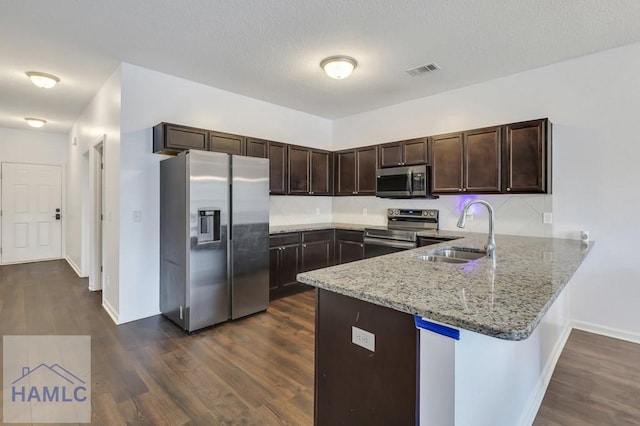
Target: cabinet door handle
(460, 189)
(304, 245)
(508, 189)
(361, 245)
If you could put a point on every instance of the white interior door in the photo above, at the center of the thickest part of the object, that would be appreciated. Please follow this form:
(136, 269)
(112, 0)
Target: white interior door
(31, 225)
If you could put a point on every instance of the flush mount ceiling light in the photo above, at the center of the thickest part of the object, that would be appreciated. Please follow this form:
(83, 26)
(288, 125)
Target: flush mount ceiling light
(338, 67)
(44, 80)
(35, 122)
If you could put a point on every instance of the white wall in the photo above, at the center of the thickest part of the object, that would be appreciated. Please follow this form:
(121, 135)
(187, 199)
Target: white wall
(593, 103)
(33, 146)
(150, 97)
(101, 117)
(36, 147)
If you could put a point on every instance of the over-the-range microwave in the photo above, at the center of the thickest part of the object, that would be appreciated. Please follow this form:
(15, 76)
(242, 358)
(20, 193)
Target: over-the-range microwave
(404, 182)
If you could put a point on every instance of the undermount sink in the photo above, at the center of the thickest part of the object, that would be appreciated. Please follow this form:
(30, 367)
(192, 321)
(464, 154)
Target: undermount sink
(452, 255)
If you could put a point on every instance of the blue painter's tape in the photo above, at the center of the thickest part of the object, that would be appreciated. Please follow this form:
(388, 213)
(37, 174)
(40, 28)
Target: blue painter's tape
(437, 328)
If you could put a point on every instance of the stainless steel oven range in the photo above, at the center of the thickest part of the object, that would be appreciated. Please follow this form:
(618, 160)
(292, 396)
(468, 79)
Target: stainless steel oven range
(402, 230)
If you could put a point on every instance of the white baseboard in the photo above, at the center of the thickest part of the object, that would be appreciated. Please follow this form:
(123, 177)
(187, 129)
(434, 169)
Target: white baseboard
(607, 331)
(544, 379)
(112, 312)
(74, 267)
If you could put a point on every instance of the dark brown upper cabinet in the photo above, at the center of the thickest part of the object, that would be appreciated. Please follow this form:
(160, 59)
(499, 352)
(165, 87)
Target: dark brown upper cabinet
(467, 162)
(356, 171)
(257, 148)
(278, 168)
(227, 143)
(404, 153)
(528, 157)
(321, 173)
(310, 171)
(483, 154)
(299, 165)
(447, 160)
(172, 138)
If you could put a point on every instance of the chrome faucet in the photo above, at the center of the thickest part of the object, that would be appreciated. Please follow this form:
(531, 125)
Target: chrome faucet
(490, 248)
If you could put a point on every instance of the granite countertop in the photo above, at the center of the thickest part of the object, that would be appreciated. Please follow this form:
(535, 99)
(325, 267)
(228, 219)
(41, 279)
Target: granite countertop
(507, 301)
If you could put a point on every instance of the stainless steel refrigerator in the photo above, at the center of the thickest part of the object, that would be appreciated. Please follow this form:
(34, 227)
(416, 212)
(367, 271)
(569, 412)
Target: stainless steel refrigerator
(214, 238)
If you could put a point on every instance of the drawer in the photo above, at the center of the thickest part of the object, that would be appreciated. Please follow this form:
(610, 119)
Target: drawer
(355, 236)
(284, 239)
(313, 236)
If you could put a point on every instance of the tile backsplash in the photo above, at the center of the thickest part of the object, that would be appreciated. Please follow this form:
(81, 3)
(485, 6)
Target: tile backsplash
(514, 214)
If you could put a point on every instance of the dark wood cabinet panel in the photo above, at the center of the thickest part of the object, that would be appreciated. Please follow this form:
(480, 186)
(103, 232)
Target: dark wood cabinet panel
(467, 162)
(366, 166)
(349, 246)
(354, 386)
(345, 172)
(414, 151)
(391, 154)
(356, 171)
(299, 165)
(284, 261)
(317, 250)
(227, 143)
(257, 148)
(482, 168)
(310, 171)
(447, 161)
(528, 157)
(404, 153)
(321, 173)
(278, 168)
(172, 138)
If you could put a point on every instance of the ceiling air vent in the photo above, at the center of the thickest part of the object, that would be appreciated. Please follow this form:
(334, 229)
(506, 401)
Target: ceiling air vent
(423, 69)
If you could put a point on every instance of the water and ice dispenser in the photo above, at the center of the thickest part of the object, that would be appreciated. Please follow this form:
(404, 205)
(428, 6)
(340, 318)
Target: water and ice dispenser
(208, 226)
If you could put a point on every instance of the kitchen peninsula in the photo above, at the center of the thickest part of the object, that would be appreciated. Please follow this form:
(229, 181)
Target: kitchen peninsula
(511, 320)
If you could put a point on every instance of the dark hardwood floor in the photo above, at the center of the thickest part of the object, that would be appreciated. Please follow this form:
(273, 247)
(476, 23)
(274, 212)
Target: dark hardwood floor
(596, 382)
(259, 370)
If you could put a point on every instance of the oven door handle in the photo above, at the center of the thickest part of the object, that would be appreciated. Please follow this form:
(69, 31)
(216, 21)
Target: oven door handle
(407, 245)
(410, 182)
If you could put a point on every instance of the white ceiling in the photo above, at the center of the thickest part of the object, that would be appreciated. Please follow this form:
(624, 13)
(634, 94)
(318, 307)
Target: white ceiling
(271, 49)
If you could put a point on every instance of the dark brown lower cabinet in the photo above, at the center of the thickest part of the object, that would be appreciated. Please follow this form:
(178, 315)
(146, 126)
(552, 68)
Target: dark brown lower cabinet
(317, 250)
(353, 385)
(349, 246)
(284, 263)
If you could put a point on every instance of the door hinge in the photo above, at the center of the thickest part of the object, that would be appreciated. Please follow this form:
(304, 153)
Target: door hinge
(101, 269)
(101, 217)
(101, 165)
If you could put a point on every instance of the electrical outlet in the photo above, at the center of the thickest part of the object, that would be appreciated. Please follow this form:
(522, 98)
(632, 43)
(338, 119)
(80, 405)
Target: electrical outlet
(363, 338)
(364, 212)
(547, 218)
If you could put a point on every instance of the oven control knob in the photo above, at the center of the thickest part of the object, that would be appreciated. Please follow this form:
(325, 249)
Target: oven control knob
(396, 212)
(390, 212)
(432, 214)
